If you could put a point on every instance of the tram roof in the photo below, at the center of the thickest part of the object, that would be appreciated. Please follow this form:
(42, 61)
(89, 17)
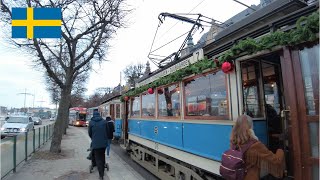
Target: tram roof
(111, 98)
(275, 10)
(278, 14)
(78, 109)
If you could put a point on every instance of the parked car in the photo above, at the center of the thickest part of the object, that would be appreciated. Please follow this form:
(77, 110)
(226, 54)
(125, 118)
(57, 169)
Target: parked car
(53, 118)
(3, 119)
(37, 120)
(17, 124)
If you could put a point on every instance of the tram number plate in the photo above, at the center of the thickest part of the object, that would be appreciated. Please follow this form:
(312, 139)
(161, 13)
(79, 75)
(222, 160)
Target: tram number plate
(155, 130)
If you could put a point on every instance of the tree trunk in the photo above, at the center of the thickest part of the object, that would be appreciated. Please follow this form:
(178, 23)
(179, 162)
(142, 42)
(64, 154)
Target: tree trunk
(66, 122)
(63, 115)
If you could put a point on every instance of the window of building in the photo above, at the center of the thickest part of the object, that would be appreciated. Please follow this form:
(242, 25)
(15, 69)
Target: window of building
(169, 101)
(135, 106)
(207, 96)
(117, 110)
(148, 104)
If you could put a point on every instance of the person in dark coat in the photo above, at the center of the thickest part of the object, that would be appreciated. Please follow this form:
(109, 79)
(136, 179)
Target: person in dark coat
(110, 127)
(99, 139)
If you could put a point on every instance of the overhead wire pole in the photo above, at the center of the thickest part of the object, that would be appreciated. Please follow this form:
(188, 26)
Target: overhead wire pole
(178, 21)
(25, 96)
(152, 58)
(245, 5)
(195, 23)
(41, 103)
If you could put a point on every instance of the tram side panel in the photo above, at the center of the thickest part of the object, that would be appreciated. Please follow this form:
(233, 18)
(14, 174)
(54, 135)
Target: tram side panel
(200, 141)
(118, 128)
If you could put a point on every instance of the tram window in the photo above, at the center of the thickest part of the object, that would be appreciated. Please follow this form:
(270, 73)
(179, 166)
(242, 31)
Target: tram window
(135, 107)
(252, 100)
(148, 104)
(117, 110)
(207, 96)
(106, 111)
(309, 59)
(310, 74)
(82, 117)
(169, 101)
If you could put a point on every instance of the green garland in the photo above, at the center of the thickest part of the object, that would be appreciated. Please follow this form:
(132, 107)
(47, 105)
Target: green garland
(306, 33)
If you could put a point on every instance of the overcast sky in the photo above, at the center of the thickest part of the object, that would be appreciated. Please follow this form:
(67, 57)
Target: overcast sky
(130, 45)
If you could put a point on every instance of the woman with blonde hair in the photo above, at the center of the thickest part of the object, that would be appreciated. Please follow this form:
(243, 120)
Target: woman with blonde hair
(257, 158)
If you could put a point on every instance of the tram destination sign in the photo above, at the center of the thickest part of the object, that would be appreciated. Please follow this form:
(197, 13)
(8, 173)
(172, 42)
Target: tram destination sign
(197, 55)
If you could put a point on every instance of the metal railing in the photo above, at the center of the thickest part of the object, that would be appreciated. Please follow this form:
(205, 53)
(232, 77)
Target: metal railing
(17, 149)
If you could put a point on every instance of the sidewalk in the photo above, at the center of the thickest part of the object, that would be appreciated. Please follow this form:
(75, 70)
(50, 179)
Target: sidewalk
(71, 164)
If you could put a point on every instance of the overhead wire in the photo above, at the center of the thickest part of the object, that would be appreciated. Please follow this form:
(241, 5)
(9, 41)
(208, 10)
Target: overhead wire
(154, 37)
(170, 41)
(178, 21)
(153, 41)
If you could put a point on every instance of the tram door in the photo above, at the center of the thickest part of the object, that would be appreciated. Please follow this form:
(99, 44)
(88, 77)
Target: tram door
(125, 122)
(263, 100)
(300, 70)
(112, 111)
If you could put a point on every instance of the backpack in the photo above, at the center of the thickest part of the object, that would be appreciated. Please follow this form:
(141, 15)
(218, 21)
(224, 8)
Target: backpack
(232, 165)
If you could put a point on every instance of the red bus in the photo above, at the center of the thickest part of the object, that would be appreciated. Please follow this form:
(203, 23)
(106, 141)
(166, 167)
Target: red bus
(77, 116)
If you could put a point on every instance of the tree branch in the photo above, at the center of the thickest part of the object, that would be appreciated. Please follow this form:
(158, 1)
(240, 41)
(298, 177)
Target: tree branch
(5, 8)
(56, 56)
(46, 65)
(95, 48)
(86, 50)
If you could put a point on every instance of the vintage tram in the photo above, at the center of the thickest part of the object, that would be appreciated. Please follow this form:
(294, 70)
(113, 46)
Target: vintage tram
(177, 121)
(113, 107)
(77, 116)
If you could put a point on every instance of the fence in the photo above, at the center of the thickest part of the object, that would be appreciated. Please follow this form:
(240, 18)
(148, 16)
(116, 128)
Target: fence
(16, 149)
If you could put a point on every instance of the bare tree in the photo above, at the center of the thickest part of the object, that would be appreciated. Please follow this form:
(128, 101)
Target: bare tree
(87, 27)
(133, 72)
(94, 100)
(103, 90)
(77, 93)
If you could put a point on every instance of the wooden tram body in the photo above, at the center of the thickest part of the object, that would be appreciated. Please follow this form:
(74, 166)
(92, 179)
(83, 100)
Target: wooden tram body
(181, 129)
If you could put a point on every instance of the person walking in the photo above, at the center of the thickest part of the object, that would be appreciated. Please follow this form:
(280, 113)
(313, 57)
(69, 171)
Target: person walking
(98, 133)
(257, 158)
(110, 127)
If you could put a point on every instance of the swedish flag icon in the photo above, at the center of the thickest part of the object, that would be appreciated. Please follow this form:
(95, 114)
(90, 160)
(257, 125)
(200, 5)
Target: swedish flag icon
(36, 23)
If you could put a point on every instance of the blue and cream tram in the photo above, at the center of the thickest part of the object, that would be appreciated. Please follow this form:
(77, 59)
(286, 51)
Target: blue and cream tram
(180, 117)
(113, 107)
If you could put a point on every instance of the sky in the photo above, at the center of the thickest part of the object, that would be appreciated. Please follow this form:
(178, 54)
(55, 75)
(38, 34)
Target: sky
(130, 45)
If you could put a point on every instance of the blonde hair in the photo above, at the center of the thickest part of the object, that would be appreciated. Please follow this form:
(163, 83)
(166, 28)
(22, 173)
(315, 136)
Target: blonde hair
(242, 130)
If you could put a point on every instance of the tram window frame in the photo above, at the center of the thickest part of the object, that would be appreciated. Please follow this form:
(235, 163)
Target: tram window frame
(105, 110)
(154, 105)
(117, 111)
(177, 84)
(259, 90)
(196, 117)
(130, 106)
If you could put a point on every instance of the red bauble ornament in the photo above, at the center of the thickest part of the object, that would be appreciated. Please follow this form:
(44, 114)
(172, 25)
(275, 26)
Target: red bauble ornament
(150, 91)
(160, 91)
(126, 98)
(227, 67)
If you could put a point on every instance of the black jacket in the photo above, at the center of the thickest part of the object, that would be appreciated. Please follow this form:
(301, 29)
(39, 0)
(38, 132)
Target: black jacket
(110, 129)
(98, 131)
